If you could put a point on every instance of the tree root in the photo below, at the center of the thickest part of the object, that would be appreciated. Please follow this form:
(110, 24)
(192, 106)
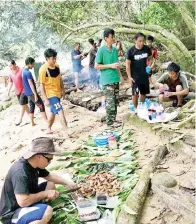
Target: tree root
(137, 197)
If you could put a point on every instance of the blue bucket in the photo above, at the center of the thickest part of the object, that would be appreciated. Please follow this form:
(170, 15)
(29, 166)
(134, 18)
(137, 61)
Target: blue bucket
(101, 139)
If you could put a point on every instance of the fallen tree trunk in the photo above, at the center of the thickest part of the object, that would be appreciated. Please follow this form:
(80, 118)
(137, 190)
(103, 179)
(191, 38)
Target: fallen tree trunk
(137, 197)
(92, 101)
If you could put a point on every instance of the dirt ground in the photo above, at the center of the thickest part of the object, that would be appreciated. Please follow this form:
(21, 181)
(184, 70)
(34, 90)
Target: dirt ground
(16, 140)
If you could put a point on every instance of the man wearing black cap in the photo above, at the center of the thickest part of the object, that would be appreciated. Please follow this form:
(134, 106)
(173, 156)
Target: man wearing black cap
(21, 198)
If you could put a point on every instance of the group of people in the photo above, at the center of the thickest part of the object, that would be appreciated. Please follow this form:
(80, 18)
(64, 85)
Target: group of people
(52, 90)
(140, 61)
(22, 199)
(77, 56)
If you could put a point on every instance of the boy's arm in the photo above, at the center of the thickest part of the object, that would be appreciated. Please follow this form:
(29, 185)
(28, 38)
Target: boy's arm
(128, 70)
(155, 58)
(150, 61)
(62, 89)
(43, 91)
(42, 80)
(121, 77)
(30, 81)
(99, 62)
(153, 62)
(102, 67)
(183, 92)
(9, 86)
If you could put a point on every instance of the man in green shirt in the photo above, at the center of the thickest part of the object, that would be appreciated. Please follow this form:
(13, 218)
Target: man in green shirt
(107, 62)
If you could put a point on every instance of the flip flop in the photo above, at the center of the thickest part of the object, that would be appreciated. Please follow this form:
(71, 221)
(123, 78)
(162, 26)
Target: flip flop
(50, 132)
(17, 124)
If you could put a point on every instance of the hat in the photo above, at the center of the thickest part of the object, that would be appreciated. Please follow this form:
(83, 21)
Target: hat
(41, 145)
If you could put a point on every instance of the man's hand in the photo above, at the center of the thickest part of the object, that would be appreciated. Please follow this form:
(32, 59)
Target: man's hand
(131, 81)
(71, 185)
(52, 194)
(115, 65)
(47, 102)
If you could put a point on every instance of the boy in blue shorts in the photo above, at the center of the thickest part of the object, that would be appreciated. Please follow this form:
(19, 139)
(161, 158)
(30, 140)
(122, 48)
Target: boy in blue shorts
(52, 89)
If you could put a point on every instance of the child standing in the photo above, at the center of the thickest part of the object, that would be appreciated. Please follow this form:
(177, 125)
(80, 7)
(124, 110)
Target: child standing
(136, 64)
(149, 42)
(52, 89)
(31, 92)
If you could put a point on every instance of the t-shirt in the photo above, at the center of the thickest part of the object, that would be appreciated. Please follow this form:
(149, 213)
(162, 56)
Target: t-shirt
(51, 79)
(92, 56)
(27, 75)
(138, 58)
(154, 53)
(22, 178)
(106, 56)
(16, 78)
(76, 61)
(181, 80)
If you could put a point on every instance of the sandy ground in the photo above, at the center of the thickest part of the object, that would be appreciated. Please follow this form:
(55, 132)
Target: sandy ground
(16, 140)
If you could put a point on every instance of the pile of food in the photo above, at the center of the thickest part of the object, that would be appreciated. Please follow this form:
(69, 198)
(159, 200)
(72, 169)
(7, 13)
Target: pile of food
(100, 167)
(101, 173)
(102, 182)
(102, 159)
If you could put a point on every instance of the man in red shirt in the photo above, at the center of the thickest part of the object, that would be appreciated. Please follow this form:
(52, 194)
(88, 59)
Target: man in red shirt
(15, 78)
(149, 42)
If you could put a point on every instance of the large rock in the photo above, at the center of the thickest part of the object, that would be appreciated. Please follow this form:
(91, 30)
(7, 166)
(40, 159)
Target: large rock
(164, 179)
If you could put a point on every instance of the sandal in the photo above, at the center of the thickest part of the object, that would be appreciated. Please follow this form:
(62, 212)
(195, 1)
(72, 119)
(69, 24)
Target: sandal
(17, 124)
(51, 132)
(115, 125)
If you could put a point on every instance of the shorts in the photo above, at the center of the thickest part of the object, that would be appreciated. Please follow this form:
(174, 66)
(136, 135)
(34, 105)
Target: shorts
(31, 213)
(32, 104)
(143, 89)
(22, 99)
(77, 68)
(55, 105)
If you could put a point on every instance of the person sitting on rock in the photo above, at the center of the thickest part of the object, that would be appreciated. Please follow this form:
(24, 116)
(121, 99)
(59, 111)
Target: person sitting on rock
(31, 91)
(15, 78)
(22, 198)
(173, 85)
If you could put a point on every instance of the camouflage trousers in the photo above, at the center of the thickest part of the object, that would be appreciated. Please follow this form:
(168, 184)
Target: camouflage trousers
(111, 93)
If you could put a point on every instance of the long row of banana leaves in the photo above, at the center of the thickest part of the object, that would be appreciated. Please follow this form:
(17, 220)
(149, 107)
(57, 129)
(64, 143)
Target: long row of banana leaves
(124, 168)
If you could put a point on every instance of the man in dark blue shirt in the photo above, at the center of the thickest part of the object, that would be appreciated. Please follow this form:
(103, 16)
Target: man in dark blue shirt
(31, 92)
(77, 57)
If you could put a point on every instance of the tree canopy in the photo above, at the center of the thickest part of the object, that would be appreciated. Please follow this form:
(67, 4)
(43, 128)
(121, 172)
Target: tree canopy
(32, 25)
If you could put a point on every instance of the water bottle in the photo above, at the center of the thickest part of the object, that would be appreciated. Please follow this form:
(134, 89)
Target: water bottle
(153, 109)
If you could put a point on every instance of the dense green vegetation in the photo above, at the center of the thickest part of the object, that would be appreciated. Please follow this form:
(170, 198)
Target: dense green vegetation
(171, 23)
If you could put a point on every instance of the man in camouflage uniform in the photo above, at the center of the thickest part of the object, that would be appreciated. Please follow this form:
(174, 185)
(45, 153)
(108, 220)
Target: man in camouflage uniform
(111, 93)
(107, 62)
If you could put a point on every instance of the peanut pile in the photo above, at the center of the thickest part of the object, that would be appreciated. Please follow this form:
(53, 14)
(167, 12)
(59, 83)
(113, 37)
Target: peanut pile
(102, 182)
